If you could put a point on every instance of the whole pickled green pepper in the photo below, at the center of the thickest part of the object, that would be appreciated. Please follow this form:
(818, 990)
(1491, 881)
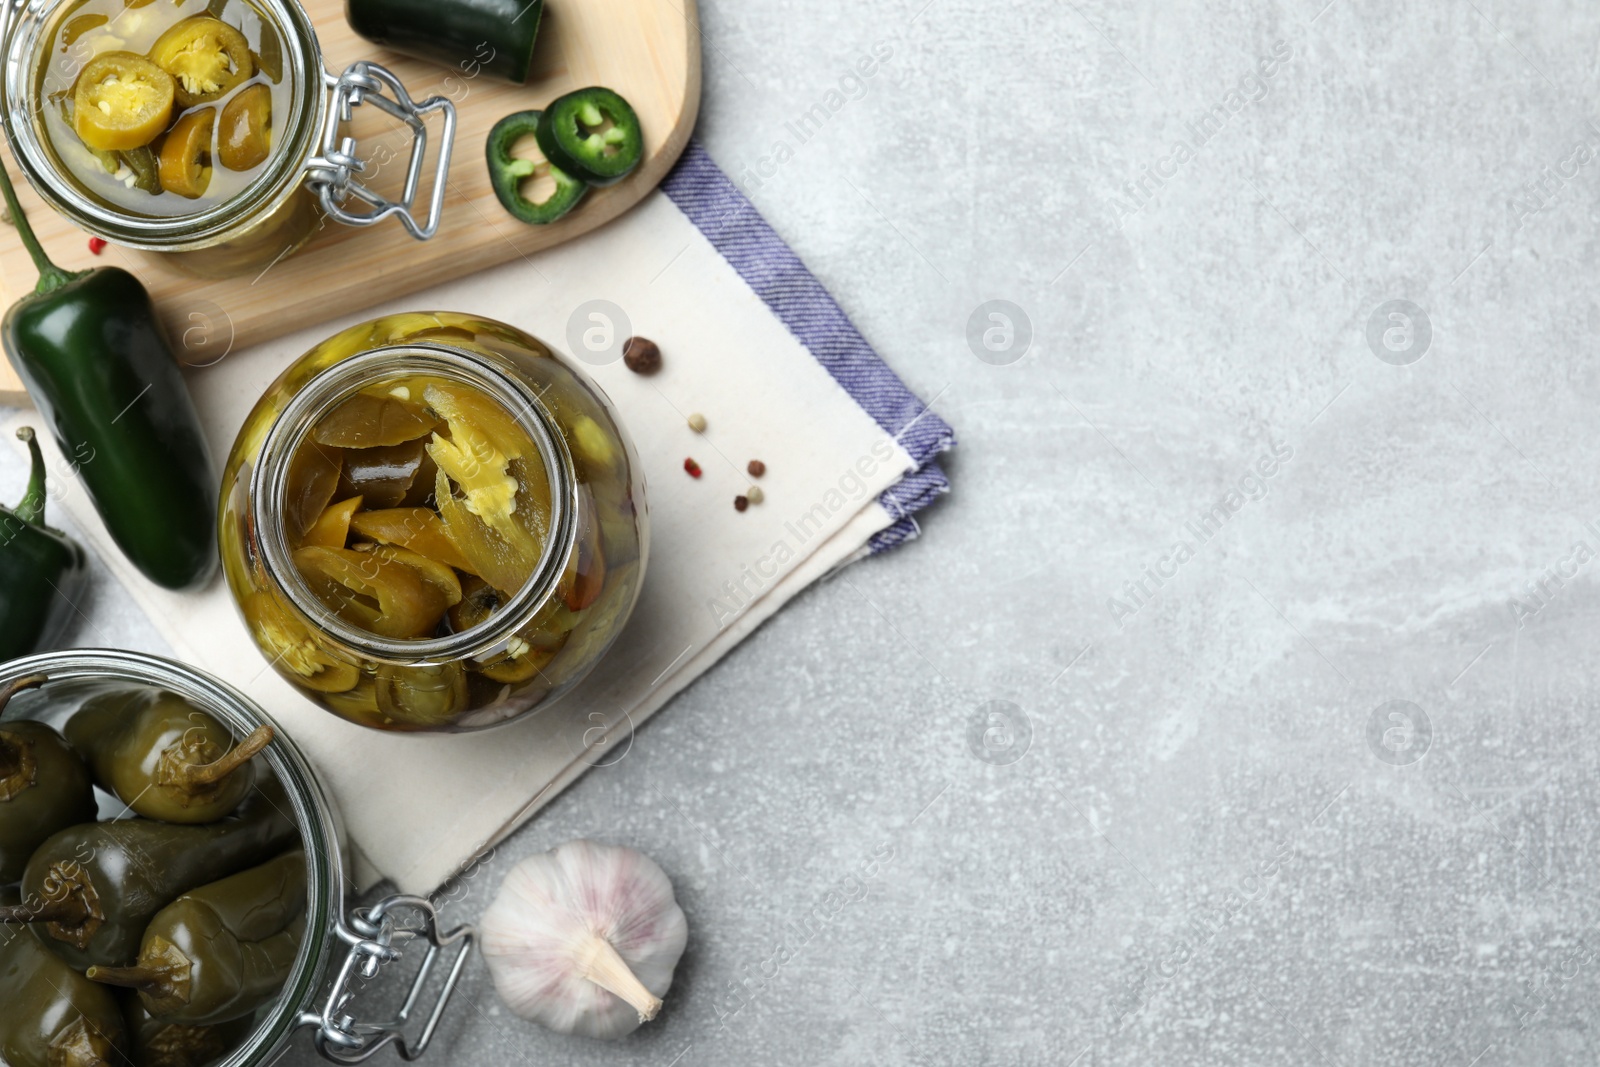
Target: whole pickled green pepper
(163, 757)
(44, 786)
(223, 950)
(50, 1015)
(97, 363)
(42, 571)
(90, 891)
(164, 1043)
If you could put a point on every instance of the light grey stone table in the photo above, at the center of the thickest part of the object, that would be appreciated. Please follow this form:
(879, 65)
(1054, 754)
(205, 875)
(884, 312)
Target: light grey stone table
(1238, 706)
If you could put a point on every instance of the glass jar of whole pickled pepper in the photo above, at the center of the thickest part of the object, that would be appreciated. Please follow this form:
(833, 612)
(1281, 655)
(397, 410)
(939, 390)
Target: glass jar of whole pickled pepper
(339, 951)
(210, 132)
(430, 522)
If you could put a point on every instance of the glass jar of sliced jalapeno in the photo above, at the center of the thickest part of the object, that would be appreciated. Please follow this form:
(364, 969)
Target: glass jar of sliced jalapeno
(432, 523)
(204, 942)
(205, 131)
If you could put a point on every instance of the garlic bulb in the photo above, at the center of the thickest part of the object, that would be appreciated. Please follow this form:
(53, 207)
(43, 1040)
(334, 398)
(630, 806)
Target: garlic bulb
(583, 939)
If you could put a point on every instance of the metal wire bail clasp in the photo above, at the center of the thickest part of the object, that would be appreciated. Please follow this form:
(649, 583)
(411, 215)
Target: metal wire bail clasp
(333, 174)
(375, 940)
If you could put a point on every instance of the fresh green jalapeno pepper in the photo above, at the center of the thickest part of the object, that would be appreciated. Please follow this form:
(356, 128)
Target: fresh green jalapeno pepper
(507, 173)
(42, 571)
(163, 757)
(473, 36)
(44, 786)
(91, 890)
(592, 134)
(223, 950)
(50, 1015)
(96, 361)
(158, 1042)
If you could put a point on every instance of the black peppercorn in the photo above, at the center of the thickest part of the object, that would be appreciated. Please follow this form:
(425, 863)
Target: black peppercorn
(641, 355)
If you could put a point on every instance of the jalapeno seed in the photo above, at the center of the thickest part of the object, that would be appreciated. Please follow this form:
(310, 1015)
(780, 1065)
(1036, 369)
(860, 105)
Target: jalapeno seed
(755, 494)
(697, 422)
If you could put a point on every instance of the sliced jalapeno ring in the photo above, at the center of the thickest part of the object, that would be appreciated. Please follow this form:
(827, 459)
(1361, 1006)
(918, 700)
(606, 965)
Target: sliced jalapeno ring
(121, 101)
(592, 134)
(207, 57)
(507, 174)
(244, 139)
(186, 154)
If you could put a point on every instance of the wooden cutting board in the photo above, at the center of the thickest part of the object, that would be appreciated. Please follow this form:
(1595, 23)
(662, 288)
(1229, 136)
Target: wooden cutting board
(648, 50)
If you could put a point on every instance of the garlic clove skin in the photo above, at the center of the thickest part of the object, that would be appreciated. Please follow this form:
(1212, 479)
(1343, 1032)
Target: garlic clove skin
(583, 939)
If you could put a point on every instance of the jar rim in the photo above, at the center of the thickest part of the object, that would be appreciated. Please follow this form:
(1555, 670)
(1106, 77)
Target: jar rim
(314, 812)
(268, 192)
(487, 372)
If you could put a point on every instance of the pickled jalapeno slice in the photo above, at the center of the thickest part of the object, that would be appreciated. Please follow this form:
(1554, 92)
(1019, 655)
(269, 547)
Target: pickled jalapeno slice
(383, 596)
(375, 420)
(422, 696)
(313, 481)
(186, 154)
(385, 476)
(206, 57)
(488, 457)
(292, 646)
(419, 529)
(441, 577)
(332, 528)
(243, 140)
(121, 101)
(501, 564)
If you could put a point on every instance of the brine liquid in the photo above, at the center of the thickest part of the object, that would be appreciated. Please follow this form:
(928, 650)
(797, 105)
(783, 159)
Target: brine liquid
(92, 27)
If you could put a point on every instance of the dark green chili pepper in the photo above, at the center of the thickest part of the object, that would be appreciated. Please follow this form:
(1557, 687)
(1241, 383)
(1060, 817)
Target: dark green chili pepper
(96, 362)
(50, 1015)
(223, 950)
(164, 1043)
(42, 571)
(592, 134)
(472, 36)
(163, 757)
(91, 890)
(507, 173)
(44, 786)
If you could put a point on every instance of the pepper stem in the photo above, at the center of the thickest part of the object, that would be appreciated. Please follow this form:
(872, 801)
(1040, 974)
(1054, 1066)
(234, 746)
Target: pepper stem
(154, 982)
(238, 756)
(599, 962)
(17, 766)
(66, 910)
(31, 508)
(51, 277)
(32, 681)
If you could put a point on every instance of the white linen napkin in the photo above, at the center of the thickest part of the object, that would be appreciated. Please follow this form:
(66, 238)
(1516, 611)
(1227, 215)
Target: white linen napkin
(419, 808)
